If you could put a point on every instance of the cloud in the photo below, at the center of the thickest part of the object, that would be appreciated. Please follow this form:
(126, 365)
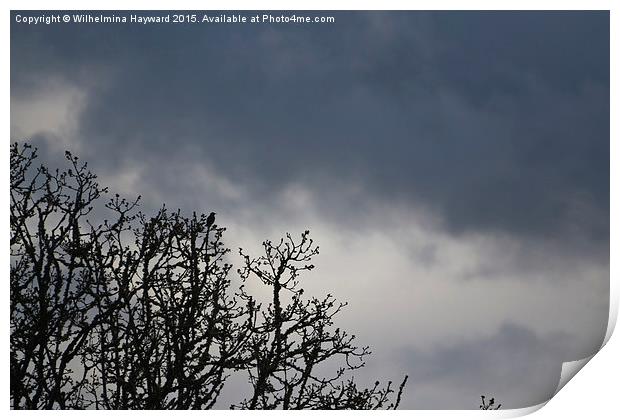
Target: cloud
(51, 111)
(512, 364)
(458, 112)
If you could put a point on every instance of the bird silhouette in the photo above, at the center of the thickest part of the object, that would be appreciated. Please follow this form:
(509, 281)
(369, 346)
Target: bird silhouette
(210, 220)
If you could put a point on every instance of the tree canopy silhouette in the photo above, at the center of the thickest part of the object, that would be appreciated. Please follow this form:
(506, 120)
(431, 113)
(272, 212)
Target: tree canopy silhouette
(113, 309)
(489, 405)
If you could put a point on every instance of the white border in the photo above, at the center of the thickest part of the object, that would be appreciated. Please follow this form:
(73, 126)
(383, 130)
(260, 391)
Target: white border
(316, 5)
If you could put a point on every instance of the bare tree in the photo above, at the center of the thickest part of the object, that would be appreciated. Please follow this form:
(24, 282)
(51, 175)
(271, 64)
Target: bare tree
(489, 405)
(52, 288)
(292, 337)
(137, 312)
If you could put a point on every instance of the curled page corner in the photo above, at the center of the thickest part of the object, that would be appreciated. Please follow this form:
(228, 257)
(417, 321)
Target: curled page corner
(570, 369)
(613, 312)
(520, 412)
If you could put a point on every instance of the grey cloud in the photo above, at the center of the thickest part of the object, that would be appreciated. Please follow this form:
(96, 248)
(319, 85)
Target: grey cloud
(516, 366)
(498, 122)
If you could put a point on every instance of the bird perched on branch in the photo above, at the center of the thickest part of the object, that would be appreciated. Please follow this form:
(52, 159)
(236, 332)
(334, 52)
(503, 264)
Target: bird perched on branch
(210, 220)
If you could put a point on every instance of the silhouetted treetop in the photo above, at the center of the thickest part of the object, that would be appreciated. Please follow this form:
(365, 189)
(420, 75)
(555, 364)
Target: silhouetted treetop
(114, 309)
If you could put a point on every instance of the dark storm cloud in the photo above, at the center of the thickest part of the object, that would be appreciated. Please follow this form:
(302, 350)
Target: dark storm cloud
(498, 121)
(514, 364)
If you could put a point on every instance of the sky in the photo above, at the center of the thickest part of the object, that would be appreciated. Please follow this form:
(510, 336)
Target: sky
(452, 166)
